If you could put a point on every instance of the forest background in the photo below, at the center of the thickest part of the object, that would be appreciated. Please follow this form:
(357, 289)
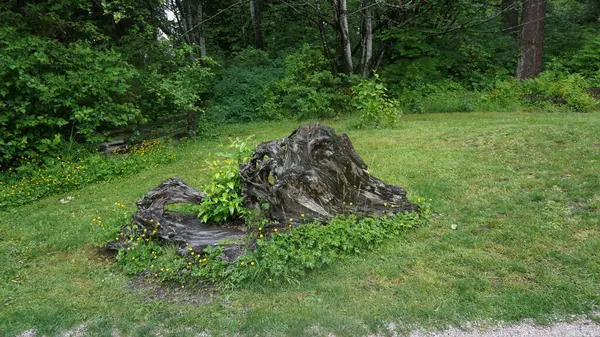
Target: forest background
(72, 70)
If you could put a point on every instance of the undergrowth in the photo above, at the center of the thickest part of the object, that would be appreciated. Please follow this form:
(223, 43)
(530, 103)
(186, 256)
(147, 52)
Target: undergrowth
(32, 182)
(279, 254)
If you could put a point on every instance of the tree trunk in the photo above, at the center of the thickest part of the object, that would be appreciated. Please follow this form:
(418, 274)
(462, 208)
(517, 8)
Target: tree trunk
(314, 174)
(532, 38)
(255, 12)
(341, 16)
(367, 39)
(200, 20)
(510, 16)
(181, 21)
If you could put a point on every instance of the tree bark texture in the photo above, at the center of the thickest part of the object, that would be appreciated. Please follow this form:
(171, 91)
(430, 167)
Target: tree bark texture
(185, 230)
(341, 17)
(189, 15)
(315, 174)
(532, 38)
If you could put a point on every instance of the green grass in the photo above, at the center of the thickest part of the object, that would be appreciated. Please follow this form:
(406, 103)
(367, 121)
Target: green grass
(522, 189)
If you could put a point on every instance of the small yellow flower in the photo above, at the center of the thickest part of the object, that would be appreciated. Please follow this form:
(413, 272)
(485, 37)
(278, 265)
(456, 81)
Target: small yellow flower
(252, 263)
(261, 235)
(274, 229)
(117, 239)
(302, 215)
(242, 263)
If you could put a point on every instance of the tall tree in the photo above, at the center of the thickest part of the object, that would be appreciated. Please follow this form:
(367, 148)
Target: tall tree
(367, 38)
(532, 38)
(340, 10)
(255, 12)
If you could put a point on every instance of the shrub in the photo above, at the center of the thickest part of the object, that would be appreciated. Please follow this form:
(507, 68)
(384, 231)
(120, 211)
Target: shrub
(224, 193)
(52, 92)
(308, 89)
(443, 96)
(372, 102)
(238, 92)
(556, 91)
(48, 88)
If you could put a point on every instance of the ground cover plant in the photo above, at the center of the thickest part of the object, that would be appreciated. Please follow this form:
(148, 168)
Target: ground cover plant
(30, 181)
(514, 235)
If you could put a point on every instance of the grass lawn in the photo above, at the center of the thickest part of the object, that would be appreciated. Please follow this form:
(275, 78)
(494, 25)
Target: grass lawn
(522, 189)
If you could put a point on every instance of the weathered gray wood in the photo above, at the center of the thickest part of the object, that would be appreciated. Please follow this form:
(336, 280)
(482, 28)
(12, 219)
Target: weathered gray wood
(315, 174)
(186, 230)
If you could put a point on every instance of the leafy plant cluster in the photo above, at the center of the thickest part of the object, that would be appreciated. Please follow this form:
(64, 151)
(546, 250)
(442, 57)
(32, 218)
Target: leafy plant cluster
(372, 103)
(224, 193)
(552, 90)
(279, 254)
(58, 88)
(238, 92)
(31, 182)
(307, 90)
(559, 91)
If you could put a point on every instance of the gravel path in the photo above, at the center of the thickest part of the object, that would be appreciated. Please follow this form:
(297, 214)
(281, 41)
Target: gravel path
(578, 328)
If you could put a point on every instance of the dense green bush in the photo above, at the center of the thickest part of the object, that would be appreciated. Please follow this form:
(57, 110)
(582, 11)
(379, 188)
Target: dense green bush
(52, 92)
(587, 60)
(373, 104)
(308, 89)
(442, 96)
(557, 91)
(238, 91)
(49, 89)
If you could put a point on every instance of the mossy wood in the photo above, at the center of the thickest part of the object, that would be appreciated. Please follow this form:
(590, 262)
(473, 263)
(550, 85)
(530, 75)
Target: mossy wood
(314, 174)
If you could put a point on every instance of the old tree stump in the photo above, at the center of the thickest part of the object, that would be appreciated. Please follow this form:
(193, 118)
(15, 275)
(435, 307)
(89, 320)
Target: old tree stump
(313, 174)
